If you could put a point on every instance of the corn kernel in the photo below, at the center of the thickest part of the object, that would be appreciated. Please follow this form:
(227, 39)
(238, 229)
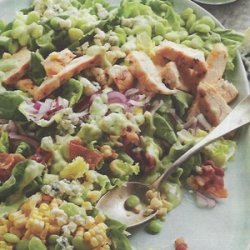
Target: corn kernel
(87, 205)
(87, 236)
(44, 207)
(155, 203)
(94, 242)
(100, 218)
(94, 196)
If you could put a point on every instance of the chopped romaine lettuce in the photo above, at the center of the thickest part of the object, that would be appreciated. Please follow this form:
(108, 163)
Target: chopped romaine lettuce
(220, 151)
(4, 142)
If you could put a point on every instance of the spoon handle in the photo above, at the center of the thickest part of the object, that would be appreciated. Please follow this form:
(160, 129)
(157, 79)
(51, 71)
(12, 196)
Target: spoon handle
(237, 118)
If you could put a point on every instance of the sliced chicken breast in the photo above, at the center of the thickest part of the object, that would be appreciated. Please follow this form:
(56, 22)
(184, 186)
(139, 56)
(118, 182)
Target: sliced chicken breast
(171, 76)
(212, 104)
(182, 55)
(56, 61)
(226, 89)
(122, 77)
(216, 64)
(22, 59)
(26, 85)
(54, 82)
(142, 67)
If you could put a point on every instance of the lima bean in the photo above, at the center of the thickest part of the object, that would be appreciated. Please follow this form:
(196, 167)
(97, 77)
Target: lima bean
(191, 20)
(208, 21)
(22, 245)
(36, 243)
(11, 238)
(202, 28)
(187, 13)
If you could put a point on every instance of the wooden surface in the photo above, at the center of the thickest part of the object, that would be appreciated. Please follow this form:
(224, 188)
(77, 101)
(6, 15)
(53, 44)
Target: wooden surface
(235, 15)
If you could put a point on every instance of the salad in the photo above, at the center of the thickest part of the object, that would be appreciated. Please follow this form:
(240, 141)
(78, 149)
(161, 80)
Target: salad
(93, 96)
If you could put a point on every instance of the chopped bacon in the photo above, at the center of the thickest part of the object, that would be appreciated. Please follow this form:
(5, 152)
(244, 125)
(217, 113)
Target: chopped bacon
(209, 181)
(180, 244)
(92, 157)
(42, 156)
(7, 163)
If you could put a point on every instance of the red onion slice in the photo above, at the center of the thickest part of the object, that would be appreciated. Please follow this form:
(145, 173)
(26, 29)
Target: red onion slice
(117, 97)
(203, 122)
(25, 138)
(131, 92)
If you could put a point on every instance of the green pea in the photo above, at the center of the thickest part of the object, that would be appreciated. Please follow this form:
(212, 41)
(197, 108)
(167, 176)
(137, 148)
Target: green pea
(36, 243)
(191, 20)
(187, 13)
(11, 238)
(52, 239)
(208, 21)
(79, 244)
(51, 247)
(55, 23)
(22, 245)
(132, 201)
(154, 226)
(75, 34)
(202, 28)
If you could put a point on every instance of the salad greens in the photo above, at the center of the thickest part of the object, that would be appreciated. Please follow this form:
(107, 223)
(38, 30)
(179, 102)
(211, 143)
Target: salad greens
(96, 105)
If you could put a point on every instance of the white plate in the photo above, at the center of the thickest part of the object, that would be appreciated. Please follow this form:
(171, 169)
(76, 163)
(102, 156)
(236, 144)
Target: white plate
(227, 226)
(215, 2)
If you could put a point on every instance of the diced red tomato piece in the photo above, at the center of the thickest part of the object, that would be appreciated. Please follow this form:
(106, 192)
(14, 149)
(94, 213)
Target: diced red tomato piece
(42, 156)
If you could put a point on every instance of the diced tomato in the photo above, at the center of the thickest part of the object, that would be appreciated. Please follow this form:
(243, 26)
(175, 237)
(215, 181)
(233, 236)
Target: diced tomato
(180, 244)
(42, 156)
(7, 163)
(92, 157)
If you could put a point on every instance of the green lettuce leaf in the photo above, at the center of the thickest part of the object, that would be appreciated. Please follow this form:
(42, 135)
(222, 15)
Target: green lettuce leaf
(4, 142)
(9, 103)
(36, 71)
(22, 175)
(220, 152)
(72, 91)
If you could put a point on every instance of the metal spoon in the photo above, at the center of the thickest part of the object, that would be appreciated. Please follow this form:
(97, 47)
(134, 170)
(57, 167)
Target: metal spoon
(112, 203)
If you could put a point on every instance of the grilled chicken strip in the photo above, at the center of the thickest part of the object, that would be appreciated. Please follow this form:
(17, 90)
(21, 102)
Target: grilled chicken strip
(212, 104)
(54, 82)
(182, 55)
(142, 67)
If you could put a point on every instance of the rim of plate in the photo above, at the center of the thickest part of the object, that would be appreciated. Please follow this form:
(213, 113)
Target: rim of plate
(209, 2)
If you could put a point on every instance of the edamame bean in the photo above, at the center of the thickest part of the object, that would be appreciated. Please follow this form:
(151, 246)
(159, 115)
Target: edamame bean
(173, 36)
(4, 41)
(52, 239)
(187, 43)
(22, 245)
(36, 243)
(77, 200)
(157, 39)
(75, 34)
(208, 21)
(11, 238)
(79, 244)
(18, 32)
(202, 28)
(24, 39)
(187, 13)
(2, 24)
(36, 31)
(160, 29)
(132, 201)
(154, 226)
(197, 43)
(191, 20)
(13, 47)
(32, 17)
